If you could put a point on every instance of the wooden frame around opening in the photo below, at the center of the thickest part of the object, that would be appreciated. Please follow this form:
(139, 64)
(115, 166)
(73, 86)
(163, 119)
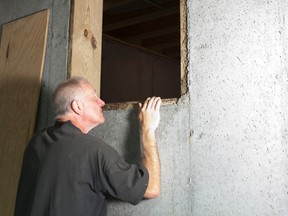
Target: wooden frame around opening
(85, 46)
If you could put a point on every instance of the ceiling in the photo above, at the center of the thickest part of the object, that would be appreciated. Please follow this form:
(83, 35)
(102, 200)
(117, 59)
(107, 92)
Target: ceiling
(150, 24)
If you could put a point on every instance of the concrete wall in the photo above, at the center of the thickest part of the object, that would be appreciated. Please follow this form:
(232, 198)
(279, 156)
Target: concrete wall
(238, 75)
(223, 146)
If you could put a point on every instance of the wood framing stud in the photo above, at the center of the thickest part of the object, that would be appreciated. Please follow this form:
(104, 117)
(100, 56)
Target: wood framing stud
(85, 44)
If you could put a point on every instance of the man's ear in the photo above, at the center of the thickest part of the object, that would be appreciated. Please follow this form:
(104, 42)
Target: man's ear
(77, 107)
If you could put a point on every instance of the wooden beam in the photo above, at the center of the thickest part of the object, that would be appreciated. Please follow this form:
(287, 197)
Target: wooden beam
(139, 37)
(134, 46)
(116, 3)
(161, 46)
(171, 50)
(141, 19)
(86, 40)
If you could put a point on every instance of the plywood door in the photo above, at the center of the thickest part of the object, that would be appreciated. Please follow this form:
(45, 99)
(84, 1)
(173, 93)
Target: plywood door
(22, 52)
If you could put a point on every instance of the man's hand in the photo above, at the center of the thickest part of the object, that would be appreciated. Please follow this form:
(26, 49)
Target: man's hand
(149, 117)
(149, 114)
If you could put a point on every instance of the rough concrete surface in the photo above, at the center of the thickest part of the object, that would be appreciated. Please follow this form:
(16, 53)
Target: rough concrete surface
(238, 76)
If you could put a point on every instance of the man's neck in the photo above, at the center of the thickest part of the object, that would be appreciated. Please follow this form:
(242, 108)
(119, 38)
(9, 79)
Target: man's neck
(74, 120)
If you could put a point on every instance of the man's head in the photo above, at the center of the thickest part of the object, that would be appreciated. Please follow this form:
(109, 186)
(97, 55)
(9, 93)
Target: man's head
(76, 100)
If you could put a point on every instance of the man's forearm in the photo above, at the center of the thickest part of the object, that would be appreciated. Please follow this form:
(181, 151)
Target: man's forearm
(149, 117)
(152, 162)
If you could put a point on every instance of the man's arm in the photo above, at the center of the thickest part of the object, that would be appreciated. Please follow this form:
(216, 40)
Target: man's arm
(149, 117)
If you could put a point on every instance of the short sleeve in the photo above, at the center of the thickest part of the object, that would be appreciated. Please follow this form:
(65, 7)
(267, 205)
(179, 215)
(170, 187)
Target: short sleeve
(124, 181)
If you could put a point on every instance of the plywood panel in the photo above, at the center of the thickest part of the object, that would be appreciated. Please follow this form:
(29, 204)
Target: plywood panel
(86, 40)
(22, 51)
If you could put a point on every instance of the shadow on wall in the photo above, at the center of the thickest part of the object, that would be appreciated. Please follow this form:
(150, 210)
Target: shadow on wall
(132, 140)
(45, 115)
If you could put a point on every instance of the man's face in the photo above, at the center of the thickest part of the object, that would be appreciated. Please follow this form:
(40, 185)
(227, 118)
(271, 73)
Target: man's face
(92, 106)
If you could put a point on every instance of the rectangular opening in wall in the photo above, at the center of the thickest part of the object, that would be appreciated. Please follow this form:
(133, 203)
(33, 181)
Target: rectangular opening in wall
(140, 50)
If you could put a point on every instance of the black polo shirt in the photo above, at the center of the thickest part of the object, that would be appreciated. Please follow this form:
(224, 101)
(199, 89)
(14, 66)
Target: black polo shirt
(68, 173)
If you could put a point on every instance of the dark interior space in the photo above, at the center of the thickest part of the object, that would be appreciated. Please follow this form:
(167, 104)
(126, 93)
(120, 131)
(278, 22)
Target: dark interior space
(140, 50)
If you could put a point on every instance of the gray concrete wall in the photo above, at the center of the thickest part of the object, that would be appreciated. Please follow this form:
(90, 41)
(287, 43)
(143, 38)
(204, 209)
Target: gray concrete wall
(238, 75)
(223, 146)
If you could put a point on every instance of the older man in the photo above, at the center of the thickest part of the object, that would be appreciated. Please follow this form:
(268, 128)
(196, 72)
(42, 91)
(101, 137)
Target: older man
(67, 172)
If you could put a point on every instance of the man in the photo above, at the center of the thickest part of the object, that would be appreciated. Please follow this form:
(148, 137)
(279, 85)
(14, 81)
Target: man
(67, 172)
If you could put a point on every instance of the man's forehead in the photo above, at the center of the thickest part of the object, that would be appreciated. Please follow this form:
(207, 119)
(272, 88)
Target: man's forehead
(89, 88)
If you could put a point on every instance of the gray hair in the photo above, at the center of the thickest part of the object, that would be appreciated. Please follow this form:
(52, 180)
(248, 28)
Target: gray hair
(65, 93)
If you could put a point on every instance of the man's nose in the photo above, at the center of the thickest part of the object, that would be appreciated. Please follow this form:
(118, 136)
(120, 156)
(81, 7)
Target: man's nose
(101, 102)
